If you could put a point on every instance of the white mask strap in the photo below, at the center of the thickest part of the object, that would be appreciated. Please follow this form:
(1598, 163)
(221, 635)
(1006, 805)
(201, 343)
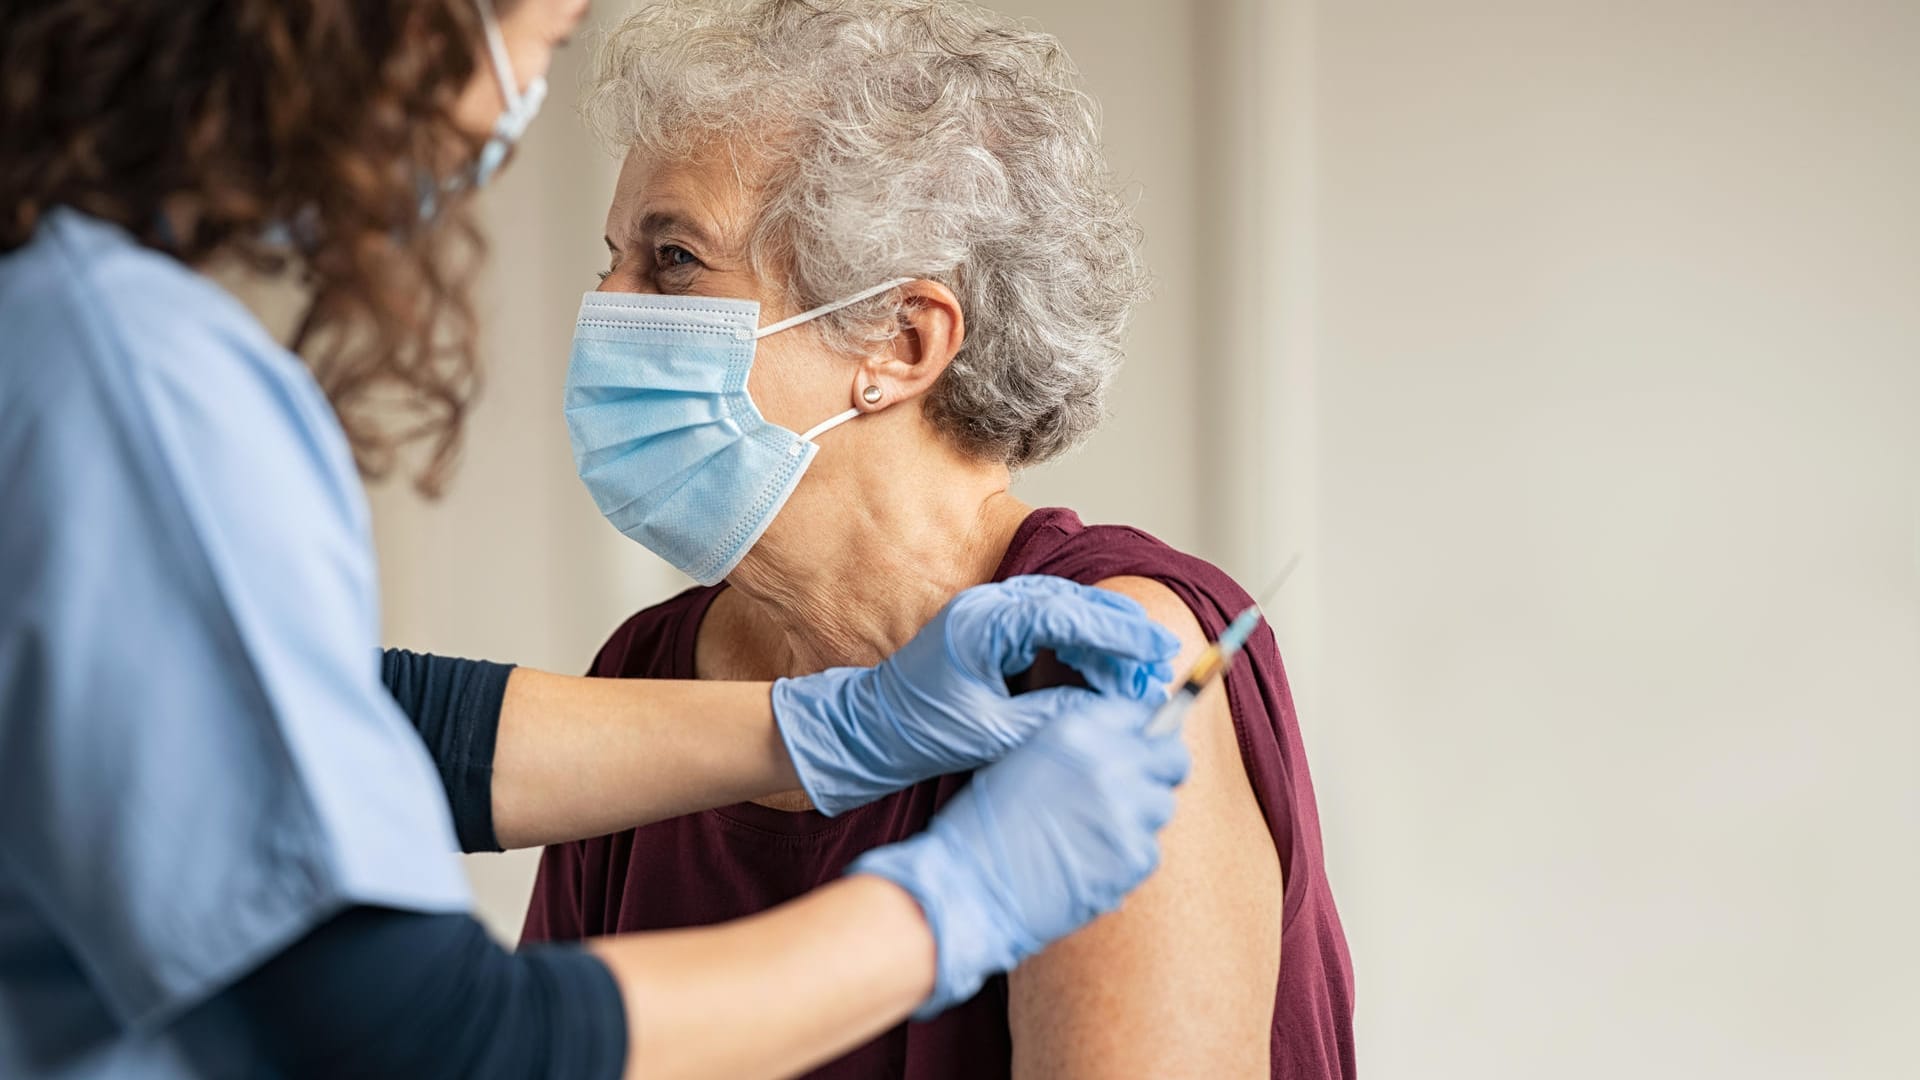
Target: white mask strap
(805, 316)
(825, 426)
(497, 53)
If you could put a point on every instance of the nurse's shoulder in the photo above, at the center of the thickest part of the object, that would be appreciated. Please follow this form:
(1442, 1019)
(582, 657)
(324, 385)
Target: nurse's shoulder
(97, 329)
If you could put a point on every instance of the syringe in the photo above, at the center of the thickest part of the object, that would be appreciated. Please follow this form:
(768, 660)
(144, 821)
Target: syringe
(1214, 661)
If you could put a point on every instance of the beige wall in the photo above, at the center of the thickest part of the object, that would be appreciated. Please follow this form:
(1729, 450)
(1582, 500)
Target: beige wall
(1619, 358)
(1577, 345)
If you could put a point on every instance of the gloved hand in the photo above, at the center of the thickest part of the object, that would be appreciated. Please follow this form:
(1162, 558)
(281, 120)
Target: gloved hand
(941, 705)
(1038, 843)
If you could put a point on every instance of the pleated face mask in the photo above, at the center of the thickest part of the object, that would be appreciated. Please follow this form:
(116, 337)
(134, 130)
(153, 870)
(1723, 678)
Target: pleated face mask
(665, 436)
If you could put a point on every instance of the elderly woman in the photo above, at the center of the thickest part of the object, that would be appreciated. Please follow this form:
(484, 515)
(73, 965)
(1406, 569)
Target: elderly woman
(913, 194)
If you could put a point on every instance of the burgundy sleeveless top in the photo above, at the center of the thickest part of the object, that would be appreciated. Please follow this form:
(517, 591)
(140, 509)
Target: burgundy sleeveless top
(727, 863)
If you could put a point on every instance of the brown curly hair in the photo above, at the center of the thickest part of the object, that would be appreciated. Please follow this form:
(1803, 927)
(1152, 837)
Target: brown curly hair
(284, 135)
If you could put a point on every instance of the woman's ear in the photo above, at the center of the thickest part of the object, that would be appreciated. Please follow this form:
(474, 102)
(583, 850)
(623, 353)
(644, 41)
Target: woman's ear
(932, 330)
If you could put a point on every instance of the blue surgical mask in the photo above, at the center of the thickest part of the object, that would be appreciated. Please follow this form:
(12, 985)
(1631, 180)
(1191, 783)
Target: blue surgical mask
(665, 436)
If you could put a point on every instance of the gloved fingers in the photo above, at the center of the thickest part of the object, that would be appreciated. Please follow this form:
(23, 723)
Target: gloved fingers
(1073, 625)
(1043, 585)
(1167, 759)
(1156, 807)
(1114, 675)
(1100, 724)
(1031, 711)
(1147, 860)
(1135, 852)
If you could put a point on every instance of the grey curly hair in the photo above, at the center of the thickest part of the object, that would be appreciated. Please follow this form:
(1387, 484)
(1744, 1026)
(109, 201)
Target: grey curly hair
(908, 138)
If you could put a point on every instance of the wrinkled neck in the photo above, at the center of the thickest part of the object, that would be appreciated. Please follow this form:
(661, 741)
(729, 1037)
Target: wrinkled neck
(861, 558)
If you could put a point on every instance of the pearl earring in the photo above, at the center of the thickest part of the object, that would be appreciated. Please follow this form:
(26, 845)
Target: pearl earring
(871, 395)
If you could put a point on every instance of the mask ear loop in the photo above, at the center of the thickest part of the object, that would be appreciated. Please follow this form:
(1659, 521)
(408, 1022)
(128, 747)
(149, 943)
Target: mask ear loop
(825, 426)
(521, 105)
(824, 309)
(497, 55)
(809, 315)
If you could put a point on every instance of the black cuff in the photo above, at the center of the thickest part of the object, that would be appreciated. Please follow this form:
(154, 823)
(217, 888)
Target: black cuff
(455, 705)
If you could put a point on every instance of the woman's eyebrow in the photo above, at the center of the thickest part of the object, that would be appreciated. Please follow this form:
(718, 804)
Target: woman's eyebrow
(660, 221)
(657, 222)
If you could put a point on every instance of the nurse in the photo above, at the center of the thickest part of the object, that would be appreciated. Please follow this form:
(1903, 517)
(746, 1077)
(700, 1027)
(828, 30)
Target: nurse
(225, 835)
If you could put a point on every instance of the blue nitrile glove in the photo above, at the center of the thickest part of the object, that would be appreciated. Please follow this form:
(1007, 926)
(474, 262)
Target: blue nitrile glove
(1038, 843)
(940, 704)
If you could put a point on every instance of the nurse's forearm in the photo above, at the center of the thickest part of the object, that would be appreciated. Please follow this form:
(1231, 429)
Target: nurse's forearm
(579, 757)
(775, 993)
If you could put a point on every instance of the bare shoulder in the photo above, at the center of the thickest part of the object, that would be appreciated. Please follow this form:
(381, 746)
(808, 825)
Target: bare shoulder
(1210, 730)
(1180, 980)
(1164, 608)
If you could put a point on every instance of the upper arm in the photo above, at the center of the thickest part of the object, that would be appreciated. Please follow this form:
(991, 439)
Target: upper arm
(1180, 980)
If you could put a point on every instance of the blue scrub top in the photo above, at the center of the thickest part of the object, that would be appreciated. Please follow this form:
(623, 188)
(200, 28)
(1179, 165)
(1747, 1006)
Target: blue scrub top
(198, 761)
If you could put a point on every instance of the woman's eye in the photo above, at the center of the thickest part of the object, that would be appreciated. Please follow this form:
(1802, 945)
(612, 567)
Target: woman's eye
(671, 256)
